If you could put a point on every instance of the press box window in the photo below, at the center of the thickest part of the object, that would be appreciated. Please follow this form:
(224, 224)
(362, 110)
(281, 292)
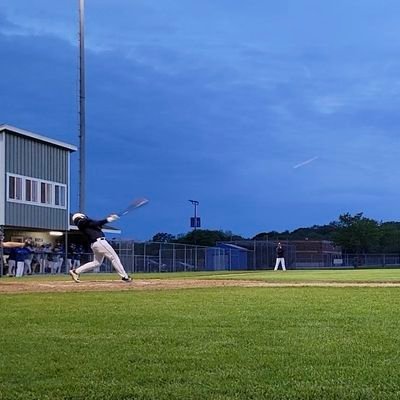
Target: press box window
(14, 188)
(45, 193)
(59, 195)
(31, 190)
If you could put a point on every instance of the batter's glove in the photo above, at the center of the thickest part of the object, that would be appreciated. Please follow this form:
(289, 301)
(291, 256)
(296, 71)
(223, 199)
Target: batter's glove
(112, 218)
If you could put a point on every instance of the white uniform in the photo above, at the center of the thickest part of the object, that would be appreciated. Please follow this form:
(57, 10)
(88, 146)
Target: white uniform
(99, 245)
(101, 248)
(280, 258)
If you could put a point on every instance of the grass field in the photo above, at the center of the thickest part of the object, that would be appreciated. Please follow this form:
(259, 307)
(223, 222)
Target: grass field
(209, 343)
(351, 275)
(345, 275)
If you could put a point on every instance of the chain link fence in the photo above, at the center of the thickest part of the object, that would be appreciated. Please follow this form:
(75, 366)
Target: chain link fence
(251, 255)
(262, 253)
(159, 257)
(156, 257)
(174, 257)
(370, 260)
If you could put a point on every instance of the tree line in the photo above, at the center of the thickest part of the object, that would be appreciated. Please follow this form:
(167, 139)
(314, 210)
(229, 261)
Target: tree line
(354, 233)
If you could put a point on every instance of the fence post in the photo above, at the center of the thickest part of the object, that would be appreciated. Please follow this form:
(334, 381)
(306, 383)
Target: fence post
(254, 255)
(133, 256)
(173, 258)
(144, 258)
(159, 257)
(184, 258)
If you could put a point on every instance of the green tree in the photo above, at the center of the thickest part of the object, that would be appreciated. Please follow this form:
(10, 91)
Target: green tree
(204, 237)
(272, 235)
(390, 237)
(163, 237)
(316, 232)
(232, 236)
(357, 234)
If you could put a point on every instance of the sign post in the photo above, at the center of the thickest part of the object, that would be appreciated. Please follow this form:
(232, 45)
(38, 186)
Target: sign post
(1, 252)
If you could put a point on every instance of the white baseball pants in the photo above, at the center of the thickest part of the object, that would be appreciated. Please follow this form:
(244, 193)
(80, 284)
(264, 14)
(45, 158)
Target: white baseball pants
(280, 260)
(11, 267)
(20, 269)
(101, 248)
(28, 265)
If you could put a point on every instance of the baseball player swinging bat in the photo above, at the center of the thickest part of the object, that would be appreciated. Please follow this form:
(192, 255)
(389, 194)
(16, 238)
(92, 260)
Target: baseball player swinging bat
(92, 230)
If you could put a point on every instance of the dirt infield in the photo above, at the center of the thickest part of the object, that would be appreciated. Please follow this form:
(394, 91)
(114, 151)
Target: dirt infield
(15, 286)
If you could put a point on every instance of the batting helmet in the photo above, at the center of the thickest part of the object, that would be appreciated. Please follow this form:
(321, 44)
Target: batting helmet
(78, 216)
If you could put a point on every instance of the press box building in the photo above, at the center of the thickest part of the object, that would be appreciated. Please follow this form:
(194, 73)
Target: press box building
(34, 184)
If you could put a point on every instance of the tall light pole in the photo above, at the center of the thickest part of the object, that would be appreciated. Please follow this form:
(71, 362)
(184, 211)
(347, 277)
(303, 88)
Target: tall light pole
(82, 115)
(195, 221)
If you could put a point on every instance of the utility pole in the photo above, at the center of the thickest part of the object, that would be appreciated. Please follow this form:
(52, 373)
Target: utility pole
(82, 114)
(195, 221)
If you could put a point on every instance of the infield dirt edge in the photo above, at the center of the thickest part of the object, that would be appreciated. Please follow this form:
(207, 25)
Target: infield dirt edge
(162, 284)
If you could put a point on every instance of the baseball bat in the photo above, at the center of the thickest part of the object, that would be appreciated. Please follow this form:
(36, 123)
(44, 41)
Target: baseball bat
(132, 206)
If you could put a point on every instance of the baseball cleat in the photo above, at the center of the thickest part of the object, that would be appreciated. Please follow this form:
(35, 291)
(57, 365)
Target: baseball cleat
(74, 275)
(127, 279)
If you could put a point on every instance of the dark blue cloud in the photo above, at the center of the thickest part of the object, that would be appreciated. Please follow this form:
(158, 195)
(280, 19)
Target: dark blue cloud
(216, 101)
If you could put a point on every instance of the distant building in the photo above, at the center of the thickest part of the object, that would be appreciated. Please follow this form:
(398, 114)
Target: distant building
(316, 253)
(34, 184)
(298, 253)
(227, 256)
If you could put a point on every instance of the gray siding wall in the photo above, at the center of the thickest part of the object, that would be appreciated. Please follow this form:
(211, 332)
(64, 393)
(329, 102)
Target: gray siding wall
(30, 216)
(36, 159)
(2, 180)
(24, 156)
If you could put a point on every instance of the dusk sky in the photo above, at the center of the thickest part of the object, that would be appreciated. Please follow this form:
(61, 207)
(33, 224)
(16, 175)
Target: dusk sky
(274, 115)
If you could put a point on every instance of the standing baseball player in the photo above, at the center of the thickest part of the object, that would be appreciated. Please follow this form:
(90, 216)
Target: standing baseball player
(11, 261)
(280, 257)
(91, 229)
